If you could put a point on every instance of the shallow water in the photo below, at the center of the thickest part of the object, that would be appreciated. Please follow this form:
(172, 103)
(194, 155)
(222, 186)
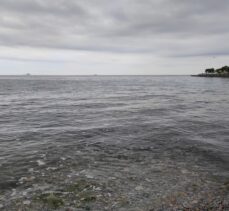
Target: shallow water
(148, 134)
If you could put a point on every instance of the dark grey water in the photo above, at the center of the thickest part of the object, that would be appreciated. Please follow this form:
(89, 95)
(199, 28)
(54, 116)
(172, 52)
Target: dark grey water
(146, 127)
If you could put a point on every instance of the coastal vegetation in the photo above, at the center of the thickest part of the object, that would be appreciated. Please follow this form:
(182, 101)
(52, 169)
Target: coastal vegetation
(211, 72)
(222, 70)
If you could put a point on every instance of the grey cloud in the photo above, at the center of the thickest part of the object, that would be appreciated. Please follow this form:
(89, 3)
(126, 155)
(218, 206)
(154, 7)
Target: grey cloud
(58, 7)
(163, 27)
(34, 60)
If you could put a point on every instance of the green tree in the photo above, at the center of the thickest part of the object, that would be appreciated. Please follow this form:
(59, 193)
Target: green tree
(225, 69)
(219, 71)
(210, 70)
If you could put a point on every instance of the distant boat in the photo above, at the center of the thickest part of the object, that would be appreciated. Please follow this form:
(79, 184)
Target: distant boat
(28, 74)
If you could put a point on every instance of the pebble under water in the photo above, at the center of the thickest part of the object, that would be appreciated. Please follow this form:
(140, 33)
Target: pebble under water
(128, 143)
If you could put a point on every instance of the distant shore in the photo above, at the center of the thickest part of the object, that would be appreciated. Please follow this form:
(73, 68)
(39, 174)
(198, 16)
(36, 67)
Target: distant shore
(222, 72)
(212, 75)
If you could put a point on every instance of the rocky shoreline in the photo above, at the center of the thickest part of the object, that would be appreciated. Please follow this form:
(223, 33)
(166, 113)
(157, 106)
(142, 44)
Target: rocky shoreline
(212, 75)
(84, 194)
(69, 186)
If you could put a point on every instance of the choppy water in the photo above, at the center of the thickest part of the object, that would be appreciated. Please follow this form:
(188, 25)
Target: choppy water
(153, 128)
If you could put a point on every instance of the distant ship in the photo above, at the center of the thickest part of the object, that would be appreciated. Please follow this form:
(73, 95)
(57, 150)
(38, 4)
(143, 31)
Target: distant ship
(28, 74)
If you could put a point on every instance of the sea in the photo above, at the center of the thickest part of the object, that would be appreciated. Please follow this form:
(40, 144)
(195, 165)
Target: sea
(140, 140)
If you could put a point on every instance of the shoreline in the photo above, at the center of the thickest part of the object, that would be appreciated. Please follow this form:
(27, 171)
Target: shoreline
(211, 75)
(67, 186)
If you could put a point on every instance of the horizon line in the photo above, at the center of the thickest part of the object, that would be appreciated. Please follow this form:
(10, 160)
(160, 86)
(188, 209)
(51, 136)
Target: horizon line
(31, 75)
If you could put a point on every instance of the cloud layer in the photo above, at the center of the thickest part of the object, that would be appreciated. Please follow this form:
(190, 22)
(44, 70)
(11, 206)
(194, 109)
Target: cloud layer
(161, 28)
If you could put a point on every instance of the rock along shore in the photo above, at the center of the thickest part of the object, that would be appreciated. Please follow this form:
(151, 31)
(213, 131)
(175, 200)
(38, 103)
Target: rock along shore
(212, 75)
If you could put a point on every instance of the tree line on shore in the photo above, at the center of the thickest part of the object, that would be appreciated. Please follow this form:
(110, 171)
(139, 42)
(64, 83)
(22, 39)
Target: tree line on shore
(222, 70)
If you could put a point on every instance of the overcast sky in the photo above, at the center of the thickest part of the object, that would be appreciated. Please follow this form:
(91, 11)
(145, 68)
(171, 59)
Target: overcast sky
(113, 37)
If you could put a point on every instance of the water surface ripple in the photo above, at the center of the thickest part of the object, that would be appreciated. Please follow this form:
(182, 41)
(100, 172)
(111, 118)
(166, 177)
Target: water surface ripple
(110, 125)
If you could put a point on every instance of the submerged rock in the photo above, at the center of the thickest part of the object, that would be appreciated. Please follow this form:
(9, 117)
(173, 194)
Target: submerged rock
(51, 200)
(139, 188)
(26, 202)
(40, 162)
